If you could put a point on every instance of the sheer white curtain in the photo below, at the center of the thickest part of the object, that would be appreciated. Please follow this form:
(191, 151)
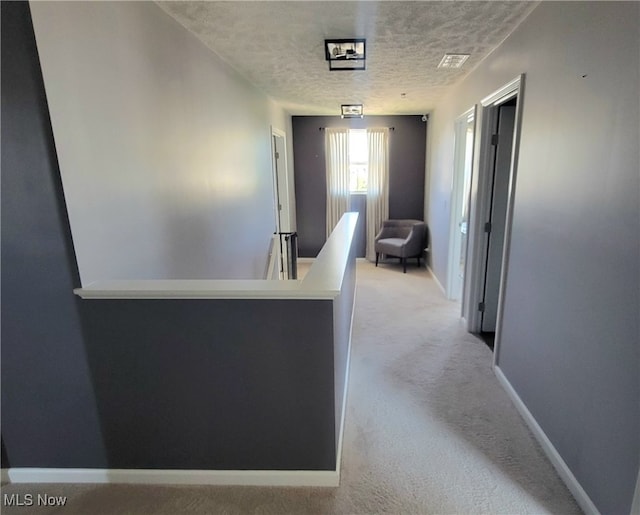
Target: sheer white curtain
(378, 185)
(337, 160)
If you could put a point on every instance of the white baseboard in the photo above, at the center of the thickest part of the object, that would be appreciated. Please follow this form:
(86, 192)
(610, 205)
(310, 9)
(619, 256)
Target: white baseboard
(635, 505)
(554, 456)
(177, 477)
(435, 278)
(319, 478)
(4, 476)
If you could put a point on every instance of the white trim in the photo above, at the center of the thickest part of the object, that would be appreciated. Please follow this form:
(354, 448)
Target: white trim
(296, 478)
(503, 94)
(322, 281)
(513, 175)
(4, 476)
(284, 200)
(554, 456)
(273, 272)
(480, 204)
(435, 278)
(320, 478)
(177, 477)
(635, 504)
(460, 127)
(476, 244)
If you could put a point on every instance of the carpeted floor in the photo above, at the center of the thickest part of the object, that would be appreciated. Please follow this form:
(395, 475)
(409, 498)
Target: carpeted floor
(428, 429)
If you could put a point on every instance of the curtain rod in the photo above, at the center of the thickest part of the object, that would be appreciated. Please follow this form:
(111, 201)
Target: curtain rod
(323, 128)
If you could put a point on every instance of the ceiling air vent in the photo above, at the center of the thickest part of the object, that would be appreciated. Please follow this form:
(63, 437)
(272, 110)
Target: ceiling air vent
(453, 60)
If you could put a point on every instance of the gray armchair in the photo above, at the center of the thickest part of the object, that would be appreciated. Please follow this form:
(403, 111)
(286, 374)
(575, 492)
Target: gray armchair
(401, 238)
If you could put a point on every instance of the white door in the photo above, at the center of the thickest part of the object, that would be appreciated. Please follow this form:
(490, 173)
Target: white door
(463, 158)
(281, 182)
(281, 199)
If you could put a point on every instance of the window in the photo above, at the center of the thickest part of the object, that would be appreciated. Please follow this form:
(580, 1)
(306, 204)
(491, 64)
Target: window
(358, 161)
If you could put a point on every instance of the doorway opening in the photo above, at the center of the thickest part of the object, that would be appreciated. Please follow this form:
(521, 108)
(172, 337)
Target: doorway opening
(460, 189)
(284, 248)
(495, 227)
(491, 208)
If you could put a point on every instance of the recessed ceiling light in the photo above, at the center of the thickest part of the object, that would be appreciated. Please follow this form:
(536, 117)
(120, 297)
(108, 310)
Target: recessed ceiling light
(453, 60)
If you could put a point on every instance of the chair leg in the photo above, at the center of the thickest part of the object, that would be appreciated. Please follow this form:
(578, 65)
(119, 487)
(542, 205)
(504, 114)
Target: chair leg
(418, 261)
(404, 265)
(377, 256)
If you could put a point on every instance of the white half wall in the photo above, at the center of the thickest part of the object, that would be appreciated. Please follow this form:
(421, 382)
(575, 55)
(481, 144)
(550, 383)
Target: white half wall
(164, 150)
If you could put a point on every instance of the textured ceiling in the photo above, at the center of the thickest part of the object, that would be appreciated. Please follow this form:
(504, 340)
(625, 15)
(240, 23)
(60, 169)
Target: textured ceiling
(279, 47)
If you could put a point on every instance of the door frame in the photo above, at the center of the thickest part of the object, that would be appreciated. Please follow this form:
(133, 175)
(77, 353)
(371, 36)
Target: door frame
(281, 193)
(280, 177)
(480, 205)
(457, 198)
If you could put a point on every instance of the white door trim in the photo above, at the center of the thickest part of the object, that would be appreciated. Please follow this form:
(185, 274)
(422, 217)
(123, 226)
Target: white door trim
(518, 89)
(281, 198)
(506, 92)
(284, 188)
(457, 184)
(480, 203)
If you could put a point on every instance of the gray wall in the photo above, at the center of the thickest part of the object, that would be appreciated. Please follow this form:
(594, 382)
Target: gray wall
(164, 150)
(189, 384)
(570, 334)
(49, 416)
(183, 384)
(406, 172)
(4, 459)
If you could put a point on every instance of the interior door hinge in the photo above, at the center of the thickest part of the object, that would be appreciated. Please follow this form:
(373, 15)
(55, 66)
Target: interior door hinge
(494, 140)
(487, 227)
(277, 155)
(481, 307)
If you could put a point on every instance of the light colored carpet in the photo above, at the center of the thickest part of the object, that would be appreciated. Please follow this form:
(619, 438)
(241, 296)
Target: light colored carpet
(428, 430)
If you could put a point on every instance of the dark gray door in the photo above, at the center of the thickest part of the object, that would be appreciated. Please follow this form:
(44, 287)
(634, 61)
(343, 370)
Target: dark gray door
(497, 220)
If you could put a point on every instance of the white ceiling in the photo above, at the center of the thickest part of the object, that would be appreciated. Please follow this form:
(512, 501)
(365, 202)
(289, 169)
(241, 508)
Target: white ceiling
(279, 47)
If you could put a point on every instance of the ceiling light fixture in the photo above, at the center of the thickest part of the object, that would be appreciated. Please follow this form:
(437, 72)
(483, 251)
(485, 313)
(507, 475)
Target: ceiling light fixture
(453, 60)
(346, 54)
(351, 111)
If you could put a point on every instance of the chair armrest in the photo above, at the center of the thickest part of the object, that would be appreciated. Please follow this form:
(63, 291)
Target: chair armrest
(414, 242)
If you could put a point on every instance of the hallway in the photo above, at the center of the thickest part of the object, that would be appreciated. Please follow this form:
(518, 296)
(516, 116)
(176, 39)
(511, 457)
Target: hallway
(428, 427)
